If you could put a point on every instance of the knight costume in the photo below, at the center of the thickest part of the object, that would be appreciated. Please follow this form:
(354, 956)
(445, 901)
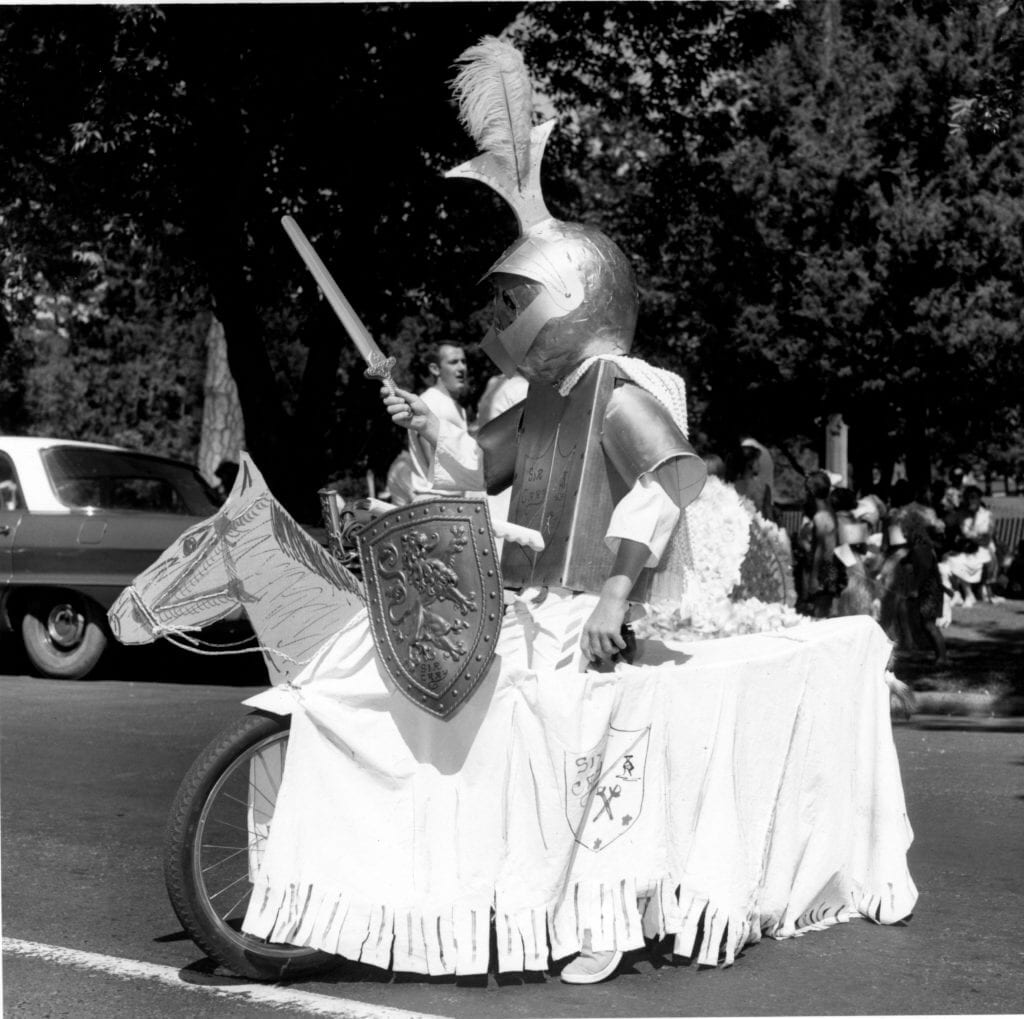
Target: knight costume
(556, 805)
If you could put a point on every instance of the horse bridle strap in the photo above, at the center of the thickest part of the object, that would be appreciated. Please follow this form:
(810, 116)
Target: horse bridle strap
(193, 644)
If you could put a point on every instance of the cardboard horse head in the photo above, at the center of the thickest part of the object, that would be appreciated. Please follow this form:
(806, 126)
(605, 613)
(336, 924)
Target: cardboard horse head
(250, 554)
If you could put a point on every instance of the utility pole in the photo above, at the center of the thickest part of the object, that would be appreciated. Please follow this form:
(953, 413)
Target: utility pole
(837, 448)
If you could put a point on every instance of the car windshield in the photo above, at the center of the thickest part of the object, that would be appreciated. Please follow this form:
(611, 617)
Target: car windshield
(112, 480)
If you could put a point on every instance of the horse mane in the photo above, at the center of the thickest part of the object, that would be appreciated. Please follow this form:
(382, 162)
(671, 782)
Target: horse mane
(302, 548)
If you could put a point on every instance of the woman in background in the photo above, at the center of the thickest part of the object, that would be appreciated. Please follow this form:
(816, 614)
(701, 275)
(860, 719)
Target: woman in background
(912, 588)
(822, 572)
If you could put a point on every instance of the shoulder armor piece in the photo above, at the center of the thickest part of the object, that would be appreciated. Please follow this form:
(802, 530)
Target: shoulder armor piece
(639, 437)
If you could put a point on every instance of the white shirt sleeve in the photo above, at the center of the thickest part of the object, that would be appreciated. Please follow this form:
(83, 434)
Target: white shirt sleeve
(646, 514)
(450, 415)
(458, 461)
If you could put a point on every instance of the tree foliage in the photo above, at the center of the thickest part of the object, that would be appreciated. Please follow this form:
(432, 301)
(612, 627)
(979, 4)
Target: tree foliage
(193, 129)
(822, 202)
(813, 234)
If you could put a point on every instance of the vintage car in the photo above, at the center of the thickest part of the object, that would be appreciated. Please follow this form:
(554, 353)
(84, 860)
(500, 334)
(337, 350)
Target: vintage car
(78, 521)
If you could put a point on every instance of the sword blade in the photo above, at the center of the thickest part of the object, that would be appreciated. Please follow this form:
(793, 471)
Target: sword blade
(358, 333)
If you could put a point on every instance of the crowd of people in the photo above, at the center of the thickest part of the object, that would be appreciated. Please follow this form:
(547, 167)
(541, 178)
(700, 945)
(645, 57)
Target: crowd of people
(907, 560)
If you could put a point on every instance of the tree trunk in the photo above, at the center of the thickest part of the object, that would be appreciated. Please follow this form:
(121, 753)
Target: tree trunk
(918, 453)
(223, 430)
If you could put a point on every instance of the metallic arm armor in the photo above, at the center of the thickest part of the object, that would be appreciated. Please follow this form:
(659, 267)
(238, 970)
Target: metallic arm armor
(498, 439)
(640, 437)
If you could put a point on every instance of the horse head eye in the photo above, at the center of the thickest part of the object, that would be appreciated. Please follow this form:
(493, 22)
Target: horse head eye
(189, 545)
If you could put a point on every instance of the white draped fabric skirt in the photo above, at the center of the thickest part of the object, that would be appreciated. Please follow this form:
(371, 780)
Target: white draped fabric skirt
(717, 792)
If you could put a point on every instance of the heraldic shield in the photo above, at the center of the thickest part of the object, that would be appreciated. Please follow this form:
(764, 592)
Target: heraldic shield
(434, 596)
(604, 788)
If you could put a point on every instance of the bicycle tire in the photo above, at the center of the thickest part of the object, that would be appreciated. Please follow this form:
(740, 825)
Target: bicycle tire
(209, 805)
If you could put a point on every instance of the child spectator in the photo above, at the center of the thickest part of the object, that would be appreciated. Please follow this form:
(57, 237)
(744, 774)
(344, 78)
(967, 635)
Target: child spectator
(970, 564)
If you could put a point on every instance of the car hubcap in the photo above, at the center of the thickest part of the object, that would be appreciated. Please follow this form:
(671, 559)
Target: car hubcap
(65, 627)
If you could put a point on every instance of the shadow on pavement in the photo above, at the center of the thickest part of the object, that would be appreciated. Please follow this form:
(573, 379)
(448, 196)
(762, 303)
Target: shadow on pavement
(957, 723)
(160, 662)
(985, 644)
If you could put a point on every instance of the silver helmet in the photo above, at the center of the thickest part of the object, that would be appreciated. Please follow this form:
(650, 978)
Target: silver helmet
(563, 291)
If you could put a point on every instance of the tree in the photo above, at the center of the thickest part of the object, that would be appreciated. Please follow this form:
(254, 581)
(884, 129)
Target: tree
(821, 217)
(196, 128)
(810, 234)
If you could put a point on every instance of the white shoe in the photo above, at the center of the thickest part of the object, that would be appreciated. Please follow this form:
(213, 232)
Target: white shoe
(591, 967)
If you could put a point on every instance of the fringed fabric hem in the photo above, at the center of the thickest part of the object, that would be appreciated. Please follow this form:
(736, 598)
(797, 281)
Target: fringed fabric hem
(455, 939)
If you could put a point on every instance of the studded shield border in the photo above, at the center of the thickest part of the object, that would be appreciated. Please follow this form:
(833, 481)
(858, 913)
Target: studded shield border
(478, 563)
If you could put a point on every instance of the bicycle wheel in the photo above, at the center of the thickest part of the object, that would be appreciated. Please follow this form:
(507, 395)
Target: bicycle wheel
(219, 824)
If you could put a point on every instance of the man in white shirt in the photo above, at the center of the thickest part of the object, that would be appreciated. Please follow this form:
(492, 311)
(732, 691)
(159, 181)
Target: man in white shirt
(446, 366)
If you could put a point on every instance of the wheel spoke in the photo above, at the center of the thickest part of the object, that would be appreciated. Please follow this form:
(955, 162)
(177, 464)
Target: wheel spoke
(271, 803)
(245, 803)
(221, 862)
(228, 845)
(228, 824)
(245, 895)
(244, 877)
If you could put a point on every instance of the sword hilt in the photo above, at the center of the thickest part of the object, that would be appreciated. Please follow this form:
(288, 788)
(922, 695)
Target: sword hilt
(380, 367)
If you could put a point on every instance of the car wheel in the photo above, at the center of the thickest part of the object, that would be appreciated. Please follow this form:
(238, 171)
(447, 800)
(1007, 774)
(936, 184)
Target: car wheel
(63, 635)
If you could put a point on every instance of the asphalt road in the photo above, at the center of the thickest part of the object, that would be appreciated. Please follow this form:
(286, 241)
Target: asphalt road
(88, 770)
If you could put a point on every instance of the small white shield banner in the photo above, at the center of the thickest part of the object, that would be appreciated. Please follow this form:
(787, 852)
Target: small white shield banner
(604, 787)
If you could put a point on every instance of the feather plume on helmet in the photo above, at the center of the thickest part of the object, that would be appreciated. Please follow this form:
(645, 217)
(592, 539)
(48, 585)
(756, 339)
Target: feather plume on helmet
(565, 290)
(495, 98)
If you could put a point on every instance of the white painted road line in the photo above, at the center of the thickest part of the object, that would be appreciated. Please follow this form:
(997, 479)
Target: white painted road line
(271, 995)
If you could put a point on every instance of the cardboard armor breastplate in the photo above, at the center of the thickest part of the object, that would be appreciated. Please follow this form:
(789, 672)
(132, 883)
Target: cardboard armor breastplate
(564, 486)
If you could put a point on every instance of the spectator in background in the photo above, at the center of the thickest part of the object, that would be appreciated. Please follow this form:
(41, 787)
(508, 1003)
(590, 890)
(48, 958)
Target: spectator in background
(970, 564)
(871, 510)
(905, 501)
(850, 530)
(945, 514)
(857, 596)
(954, 490)
(743, 470)
(443, 366)
(765, 497)
(821, 573)
(716, 466)
(914, 595)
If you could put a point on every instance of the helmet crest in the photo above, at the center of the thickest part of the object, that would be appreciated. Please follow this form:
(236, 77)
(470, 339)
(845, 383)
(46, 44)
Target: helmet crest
(586, 300)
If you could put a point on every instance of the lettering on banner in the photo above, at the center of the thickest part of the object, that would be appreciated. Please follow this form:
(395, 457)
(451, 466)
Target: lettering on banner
(559, 493)
(534, 485)
(432, 674)
(604, 788)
